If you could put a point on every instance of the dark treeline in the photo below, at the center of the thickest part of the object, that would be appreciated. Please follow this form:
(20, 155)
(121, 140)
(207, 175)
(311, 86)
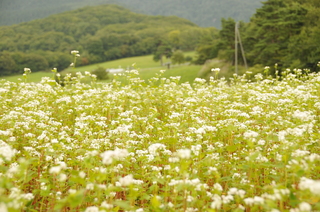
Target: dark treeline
(100, 33)
(283, 32)
(204, 13)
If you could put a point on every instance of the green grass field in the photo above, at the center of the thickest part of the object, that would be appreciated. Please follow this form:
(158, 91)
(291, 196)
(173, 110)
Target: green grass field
(145, 64)
(33, 77)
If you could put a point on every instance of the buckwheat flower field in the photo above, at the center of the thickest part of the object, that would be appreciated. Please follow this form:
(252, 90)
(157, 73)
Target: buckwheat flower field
(161, 145)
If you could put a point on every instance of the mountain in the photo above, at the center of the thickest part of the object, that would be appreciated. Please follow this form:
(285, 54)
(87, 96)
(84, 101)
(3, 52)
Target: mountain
(100, 33)
(202, 12)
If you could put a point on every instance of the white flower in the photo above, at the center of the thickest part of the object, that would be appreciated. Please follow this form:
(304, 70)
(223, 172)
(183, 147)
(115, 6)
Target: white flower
(195, 149)
(217, 202)
(117, 154)
(250, 134)
(62, 177)
(28, 196)
(312, 185)
(303, 116)
(305, 207)
(54, 141)
(126, 181)
(6, 151)
(258, 200)
(217, 186)
(191, 210)
(261, 142)
(92, 209)
(232, 191)
(3, 207)
(55, 170)
(249, 201)
(184, 153)
(170, 205)
(82, 174)
(72, 191)
(27, 70)
(106, 205)
(43, 186)
(190, 198)
(74, 52)
(216, 70)
(153, 148)
(90, 186)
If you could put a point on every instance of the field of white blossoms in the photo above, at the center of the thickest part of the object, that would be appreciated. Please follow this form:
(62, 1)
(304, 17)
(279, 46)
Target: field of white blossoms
(161, 145)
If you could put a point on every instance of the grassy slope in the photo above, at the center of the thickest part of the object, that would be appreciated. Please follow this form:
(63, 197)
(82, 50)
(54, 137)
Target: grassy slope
(145, 64)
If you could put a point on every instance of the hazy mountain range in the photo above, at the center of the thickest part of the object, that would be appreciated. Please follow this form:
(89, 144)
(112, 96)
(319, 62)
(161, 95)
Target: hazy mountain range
(202, 12)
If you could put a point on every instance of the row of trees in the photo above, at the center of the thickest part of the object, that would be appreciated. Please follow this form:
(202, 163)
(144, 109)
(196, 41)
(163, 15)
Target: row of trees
(283, 32)
(12, 63)
(100, 33)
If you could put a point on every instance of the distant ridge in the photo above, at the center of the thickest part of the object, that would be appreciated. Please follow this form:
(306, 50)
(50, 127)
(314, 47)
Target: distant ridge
(202, 12)
(101, 33)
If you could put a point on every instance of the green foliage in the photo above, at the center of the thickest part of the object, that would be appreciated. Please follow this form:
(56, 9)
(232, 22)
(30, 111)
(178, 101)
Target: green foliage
(163, 50)
(59, 60)
(101, 73)
(178, 57)
(188, 58)
(205, 53)
(7, 64)
(273, 26)
(208, 46)
(35, 62)
(226, 69)
(283, 32)
(100, 33)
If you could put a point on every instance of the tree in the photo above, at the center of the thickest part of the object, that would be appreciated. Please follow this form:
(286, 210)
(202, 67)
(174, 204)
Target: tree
(271, 29)
(163, 50)
(94, 46)
(227, 40)
(304, 47)
(101, 73)
(208, 46)
(58, 60)
(177, 57)
(36, 62)
(7, 64)
(174, 38)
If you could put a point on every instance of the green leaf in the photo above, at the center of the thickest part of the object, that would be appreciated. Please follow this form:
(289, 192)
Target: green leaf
(293, 200)
(300, 173)
(232, 148)
(123, 204)
(76, 199)
(155, 202)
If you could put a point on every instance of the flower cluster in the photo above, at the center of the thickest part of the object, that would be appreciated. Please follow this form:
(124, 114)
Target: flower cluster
(161, 145)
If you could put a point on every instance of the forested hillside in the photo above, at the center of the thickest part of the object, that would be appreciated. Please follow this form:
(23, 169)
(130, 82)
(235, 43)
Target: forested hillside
(202, 12)
(282, 32)
(100, 33)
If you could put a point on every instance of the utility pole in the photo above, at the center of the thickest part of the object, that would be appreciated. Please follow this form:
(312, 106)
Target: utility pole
(237, 37)
(236, 47)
